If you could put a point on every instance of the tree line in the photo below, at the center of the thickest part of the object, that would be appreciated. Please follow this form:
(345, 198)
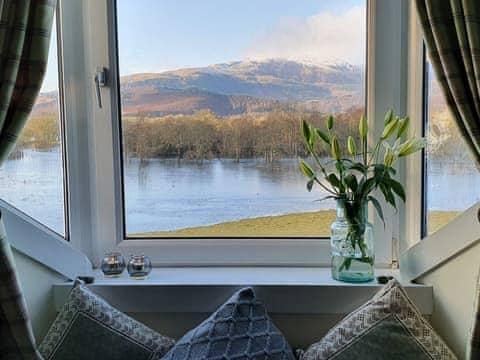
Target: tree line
(205, 135)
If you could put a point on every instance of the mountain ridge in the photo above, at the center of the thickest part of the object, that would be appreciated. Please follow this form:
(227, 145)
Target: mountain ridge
(239, 87)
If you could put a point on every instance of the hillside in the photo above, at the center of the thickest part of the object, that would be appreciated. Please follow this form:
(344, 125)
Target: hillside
(239, 87)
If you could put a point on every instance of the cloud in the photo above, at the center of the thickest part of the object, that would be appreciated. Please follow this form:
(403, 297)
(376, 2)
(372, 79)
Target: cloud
(320, 38)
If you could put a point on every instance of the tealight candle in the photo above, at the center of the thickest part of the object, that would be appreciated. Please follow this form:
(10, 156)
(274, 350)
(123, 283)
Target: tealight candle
(113, 264)
(139, 266)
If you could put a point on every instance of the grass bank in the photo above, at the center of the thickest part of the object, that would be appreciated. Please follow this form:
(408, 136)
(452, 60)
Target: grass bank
(309, 224)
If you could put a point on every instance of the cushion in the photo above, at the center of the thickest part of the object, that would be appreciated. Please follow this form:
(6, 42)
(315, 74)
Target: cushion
(88, 327)
(388, 326)
(239, 329)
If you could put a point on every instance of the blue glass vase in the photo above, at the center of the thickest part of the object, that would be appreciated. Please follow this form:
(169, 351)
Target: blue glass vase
(353, 257)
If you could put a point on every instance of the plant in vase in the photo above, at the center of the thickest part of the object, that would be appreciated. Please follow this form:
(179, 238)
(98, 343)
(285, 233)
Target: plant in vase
(352, 177)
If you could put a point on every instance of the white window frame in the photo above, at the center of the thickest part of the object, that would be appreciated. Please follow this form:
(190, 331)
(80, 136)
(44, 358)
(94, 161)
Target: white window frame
(412, 224)
(93, 159)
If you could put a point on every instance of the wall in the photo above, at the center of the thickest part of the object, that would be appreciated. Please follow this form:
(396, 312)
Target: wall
(37, 280)
(454, 285)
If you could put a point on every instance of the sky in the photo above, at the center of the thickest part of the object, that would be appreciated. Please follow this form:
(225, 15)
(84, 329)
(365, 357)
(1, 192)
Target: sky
(160, 35)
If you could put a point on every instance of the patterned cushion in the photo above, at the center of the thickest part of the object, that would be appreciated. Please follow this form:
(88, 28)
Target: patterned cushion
(388, 326)
(239, 329)
(89, 328)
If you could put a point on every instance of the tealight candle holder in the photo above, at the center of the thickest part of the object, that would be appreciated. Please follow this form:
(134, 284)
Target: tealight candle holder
(113, 264)
(139, 266)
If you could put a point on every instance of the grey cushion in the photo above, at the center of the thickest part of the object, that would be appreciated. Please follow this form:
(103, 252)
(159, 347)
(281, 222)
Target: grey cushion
(87, 327)
(388, 326)
(239, 329)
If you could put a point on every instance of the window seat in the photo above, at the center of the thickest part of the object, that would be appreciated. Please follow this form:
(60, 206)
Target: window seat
(300, 290)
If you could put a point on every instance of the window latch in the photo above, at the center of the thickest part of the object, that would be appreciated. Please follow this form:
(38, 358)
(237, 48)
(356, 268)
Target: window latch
(100, 81)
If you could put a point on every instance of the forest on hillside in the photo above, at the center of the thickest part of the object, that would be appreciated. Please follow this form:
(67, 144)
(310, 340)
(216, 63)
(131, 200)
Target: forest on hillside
(205, 135)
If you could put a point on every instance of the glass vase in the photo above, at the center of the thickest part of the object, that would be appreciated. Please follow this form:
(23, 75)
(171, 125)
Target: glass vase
(353, 256)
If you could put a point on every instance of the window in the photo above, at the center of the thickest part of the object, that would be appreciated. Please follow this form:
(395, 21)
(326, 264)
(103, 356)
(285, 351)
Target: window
(32, 178)
(451, 179)
(211, 97)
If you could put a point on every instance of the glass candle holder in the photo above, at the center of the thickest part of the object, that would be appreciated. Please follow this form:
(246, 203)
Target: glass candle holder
(113, 264)
(139, 266)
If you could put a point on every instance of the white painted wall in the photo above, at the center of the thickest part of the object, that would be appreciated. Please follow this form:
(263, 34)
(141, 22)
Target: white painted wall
(454, 285)
(37, 283)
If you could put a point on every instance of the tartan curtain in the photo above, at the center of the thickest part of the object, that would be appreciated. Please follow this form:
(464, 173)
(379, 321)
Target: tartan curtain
(473, 347)
(25, 28)
(451, 30)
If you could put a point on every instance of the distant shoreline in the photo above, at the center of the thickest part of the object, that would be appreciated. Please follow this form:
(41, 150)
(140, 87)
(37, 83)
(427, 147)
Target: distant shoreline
(307, 224)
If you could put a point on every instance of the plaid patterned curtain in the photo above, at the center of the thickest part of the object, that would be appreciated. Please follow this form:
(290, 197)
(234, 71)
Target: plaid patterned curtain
(25, 27)
(473, 347)
(452, 35)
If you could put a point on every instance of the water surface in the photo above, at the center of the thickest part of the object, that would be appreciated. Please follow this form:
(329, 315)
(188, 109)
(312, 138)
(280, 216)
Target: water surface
(169, 194)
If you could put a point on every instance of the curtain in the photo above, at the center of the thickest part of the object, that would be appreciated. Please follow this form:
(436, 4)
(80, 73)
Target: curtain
(473, 346)
(25, 29)
(451, 30)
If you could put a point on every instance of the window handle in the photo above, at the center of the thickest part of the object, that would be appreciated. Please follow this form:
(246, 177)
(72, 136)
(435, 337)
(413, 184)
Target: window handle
(100, 81)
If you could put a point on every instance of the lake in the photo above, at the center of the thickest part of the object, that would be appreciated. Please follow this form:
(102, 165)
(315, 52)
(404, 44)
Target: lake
(166, 194)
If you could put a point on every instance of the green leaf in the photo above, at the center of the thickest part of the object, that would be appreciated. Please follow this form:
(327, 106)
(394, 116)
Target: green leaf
(411, 146)
(323, 136)
(366, 187)
(306, 170)
(339, 166)
(389, 129)
(363, 127)
(397, 188)
(391, 170)
(336, 152)
(380, 173)
(334, 181)
(358, 167)
(351, 182)
(326, 197)
(351, 146)
(403, 127)
(306, 132)
(310, 184)
(388, 195)
(388, 117)
(330, 122)
(378, 208)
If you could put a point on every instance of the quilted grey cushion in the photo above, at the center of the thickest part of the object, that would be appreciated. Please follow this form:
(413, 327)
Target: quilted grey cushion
(388, 326)
(88, 327)
(239, 329)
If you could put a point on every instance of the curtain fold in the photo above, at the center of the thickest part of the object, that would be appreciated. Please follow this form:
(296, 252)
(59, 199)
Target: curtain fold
(25, 29)
(451, 30)
(473, 346)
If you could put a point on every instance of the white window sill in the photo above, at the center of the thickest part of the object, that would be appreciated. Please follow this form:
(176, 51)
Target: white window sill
(298, 290)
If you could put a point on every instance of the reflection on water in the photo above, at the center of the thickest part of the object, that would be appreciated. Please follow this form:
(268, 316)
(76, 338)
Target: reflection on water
(33, 182)
(170, 194)
(452, 185)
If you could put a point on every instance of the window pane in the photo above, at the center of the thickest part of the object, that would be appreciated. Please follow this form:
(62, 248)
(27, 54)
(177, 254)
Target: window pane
(212, 93)
(452, 180)
(32, 177)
